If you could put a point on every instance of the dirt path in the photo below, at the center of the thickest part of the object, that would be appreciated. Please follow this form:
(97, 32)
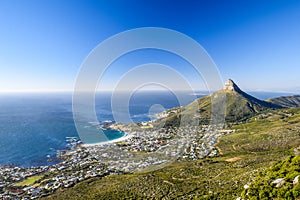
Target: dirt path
(218, 148)
(233, 159)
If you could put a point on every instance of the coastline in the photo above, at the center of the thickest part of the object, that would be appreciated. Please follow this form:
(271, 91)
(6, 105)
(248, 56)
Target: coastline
(126, 136)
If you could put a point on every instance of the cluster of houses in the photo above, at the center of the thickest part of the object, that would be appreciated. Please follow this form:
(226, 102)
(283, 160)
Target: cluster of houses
(147, 147)
(204, 145)
(150, 147)
(147, 140)
(10, 175)
(201, 141)
(77, 166)
(167, 113)
(121, 161)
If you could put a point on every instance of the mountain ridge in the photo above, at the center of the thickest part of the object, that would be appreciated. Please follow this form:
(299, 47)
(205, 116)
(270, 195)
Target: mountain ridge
(239, 106)
(286, 101)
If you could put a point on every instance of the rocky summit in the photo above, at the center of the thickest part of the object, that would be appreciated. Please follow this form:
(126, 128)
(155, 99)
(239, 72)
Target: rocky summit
(231, 86)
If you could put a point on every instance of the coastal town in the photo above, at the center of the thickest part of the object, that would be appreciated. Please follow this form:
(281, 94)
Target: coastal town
(78, 165)
(145, 149)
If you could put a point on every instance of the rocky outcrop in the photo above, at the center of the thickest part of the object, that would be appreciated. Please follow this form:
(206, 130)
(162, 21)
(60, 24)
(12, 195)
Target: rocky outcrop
(296, 180)
(278, 182)
(230, 86)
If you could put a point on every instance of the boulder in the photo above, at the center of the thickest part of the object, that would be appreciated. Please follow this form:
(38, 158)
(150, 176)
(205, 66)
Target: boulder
(246, 186)
(278, 182)
(296, 180)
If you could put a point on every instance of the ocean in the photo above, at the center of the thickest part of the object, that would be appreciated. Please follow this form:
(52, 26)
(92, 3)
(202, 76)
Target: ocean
(33, 127)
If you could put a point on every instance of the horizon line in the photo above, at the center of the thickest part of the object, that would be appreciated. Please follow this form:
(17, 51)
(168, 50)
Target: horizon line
(147, 90)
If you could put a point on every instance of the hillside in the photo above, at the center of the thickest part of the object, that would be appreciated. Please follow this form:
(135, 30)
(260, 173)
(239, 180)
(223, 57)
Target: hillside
(286, 102)
(239, 106)
(279, 181)
(268, 136)
(263, 141)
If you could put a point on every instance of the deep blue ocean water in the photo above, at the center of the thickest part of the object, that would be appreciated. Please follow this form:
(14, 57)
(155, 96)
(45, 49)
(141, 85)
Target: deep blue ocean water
(34, 126)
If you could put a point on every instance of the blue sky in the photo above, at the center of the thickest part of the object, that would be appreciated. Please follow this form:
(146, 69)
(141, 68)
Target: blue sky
(43, 43)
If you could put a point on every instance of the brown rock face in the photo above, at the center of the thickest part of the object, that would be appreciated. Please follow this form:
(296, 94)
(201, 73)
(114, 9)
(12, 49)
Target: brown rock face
(231, 86)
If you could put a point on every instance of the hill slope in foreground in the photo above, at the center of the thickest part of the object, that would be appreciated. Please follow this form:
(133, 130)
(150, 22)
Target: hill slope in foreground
(256, 145)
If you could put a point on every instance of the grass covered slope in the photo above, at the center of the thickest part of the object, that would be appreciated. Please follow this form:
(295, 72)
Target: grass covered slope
(286, 102)
(240, 105)
(256, 145)
(278, 181)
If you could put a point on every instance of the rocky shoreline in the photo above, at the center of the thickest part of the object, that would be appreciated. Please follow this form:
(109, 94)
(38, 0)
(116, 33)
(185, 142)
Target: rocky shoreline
(139, 150)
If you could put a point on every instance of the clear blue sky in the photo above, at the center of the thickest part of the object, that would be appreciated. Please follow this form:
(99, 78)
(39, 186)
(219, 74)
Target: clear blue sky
(43, 43)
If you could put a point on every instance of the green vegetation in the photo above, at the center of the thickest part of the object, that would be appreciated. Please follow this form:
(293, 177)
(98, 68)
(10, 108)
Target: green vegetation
(239, 107)
(287, 102)
(257, 144)
(285, 172)
(29, 181)
(264, 135)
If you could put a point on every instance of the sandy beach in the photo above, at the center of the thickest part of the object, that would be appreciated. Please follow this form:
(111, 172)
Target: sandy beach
(125, 137)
